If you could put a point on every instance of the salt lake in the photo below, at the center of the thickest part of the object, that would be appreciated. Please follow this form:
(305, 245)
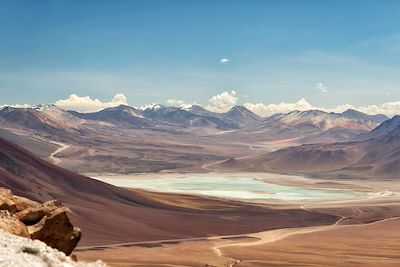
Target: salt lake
(229, 187)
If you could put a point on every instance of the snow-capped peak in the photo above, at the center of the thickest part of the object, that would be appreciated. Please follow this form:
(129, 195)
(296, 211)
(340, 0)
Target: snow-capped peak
(15, 106)
(153, 106)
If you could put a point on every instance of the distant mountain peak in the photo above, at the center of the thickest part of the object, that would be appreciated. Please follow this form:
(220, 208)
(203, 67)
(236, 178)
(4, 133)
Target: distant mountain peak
(41, 107)
(153, 106)
(241, 115)
(355, 114)
(241, 109)
(306, 112)
(122, 107)
(132, 111)
(193, 107)
(352, 111)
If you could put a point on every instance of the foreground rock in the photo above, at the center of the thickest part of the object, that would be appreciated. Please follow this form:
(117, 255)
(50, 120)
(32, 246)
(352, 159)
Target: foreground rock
(9, 223)
(48, 222)
(17, 251)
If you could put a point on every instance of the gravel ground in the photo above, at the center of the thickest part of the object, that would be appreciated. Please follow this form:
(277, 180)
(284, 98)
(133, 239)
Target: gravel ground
(17, 251)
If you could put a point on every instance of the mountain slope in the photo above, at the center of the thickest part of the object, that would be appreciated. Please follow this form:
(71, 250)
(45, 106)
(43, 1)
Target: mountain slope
(199, 110)
(184, 118)
(240, 116)
(306, 126)
(313, 126)
(349, 119)
(122, 114)
(28, 118)
(47, 121)
(383, 129)
(378, 157)
(354, 114)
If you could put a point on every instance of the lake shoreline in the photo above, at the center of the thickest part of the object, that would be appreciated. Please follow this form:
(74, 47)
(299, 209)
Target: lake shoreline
(364, 191)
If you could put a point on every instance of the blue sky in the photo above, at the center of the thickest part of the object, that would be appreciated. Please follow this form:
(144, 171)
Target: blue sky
(152, 51)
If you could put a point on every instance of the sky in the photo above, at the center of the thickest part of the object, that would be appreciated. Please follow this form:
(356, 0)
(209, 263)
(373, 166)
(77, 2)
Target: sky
(266, 55)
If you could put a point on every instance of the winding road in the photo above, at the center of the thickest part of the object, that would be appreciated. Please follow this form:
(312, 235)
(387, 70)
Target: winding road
(276, 235)
(62, 147)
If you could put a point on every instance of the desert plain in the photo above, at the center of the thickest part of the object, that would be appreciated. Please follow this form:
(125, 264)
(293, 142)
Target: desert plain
(364, 232)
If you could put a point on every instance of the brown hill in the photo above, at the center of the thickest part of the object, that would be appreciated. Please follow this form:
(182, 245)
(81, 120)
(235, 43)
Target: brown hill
(378, 157)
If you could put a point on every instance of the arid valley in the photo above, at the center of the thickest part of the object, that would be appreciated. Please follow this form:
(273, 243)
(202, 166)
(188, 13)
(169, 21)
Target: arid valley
(232, 198)
(212, 133)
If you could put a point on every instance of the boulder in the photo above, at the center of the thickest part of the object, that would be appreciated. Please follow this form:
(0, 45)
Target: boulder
(48, 222)
(57, 231)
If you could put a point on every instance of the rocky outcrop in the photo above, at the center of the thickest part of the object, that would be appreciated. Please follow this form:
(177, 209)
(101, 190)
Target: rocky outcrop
(17, 251)
(12, 225)
(48, 222)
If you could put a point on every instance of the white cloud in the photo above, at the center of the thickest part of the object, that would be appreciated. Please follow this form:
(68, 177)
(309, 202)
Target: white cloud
(180, 103)
(16, 106)
(389, 109)
(270, 109)
(224, 60)
(339, 108)
(87, 104)
(321, 87)
(226, 100)
(222, 102)
(176, 102)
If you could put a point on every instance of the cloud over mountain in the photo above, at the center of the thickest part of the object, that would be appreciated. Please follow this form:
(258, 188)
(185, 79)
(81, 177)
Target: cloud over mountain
(179, 103)
(175, 102)
(389, 108)
(270, 109)
(226, 100)
(222, 102)
(87, 104)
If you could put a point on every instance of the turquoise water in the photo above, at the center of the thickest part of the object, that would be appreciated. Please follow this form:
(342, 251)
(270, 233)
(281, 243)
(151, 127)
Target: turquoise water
(228, 187)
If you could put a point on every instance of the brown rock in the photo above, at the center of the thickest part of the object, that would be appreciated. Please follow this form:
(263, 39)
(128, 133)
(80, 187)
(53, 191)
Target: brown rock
(31, 216)
(56, 230)
(48, 222)
(13, 203)
(6, 201)
(34, 214)
(9, 223)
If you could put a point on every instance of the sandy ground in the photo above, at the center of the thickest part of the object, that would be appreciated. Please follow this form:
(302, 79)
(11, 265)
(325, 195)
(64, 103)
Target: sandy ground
(365, 234)
(373, 244)
(363, 228)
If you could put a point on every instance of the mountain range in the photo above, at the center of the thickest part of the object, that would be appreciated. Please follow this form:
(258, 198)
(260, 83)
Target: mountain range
(375, 154)
(50, 118)
(125, 139)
